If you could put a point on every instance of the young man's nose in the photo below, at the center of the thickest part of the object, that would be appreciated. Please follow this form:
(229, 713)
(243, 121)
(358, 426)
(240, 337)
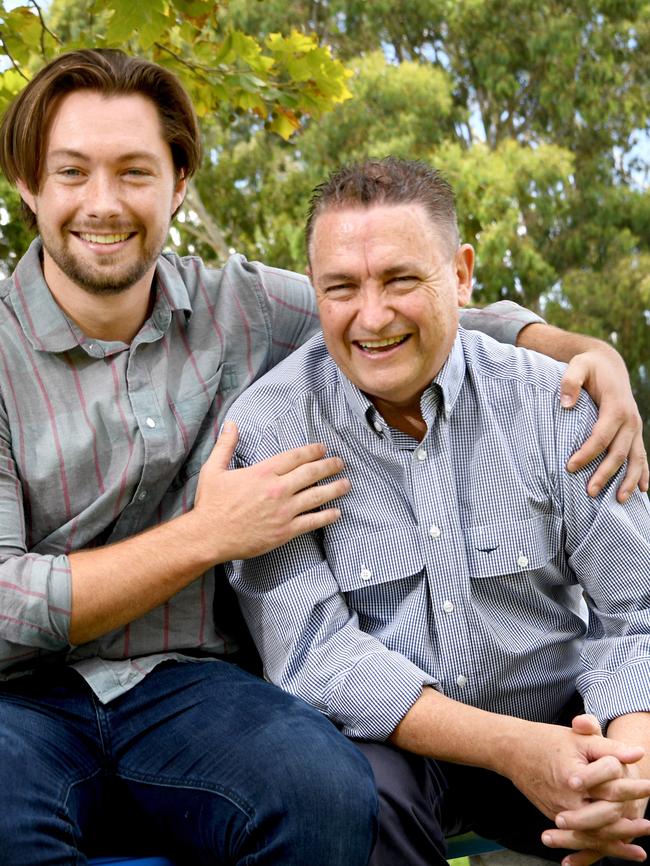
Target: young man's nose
(102, 199)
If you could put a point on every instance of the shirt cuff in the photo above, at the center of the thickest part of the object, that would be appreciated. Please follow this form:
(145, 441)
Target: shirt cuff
(376, 694)
(502, 320)
(611, 695)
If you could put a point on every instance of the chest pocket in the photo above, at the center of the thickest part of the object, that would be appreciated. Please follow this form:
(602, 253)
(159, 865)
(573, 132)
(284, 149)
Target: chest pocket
(521, 588)
(190, 409)
(372, 560)
(513, 548)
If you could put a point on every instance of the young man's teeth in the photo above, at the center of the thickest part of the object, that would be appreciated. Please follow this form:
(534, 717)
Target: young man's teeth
(380, 344)
(103, 239)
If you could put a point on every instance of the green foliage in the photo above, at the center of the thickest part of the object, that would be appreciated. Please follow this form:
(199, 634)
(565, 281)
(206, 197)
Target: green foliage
(281, 80)
(532, 108)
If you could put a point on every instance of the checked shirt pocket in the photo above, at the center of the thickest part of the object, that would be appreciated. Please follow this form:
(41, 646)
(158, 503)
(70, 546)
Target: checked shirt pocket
(377, 573)
(520, 584)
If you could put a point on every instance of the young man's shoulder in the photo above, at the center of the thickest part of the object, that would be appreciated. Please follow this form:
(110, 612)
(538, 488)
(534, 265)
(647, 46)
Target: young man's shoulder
(306, 373)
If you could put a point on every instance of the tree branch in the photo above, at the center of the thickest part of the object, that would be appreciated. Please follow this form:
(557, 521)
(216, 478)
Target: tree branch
(212, 234)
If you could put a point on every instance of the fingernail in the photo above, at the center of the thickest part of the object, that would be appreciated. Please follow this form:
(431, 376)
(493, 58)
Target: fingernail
(594, 489)
(547, 839)
(565, 400)
(560, 822)
(623, 497)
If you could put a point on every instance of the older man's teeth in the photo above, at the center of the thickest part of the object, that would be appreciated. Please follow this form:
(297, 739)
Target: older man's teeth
(381, 344)
(103, 239)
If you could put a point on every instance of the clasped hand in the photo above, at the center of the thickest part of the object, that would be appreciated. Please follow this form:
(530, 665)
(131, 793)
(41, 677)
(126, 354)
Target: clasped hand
(605, 802)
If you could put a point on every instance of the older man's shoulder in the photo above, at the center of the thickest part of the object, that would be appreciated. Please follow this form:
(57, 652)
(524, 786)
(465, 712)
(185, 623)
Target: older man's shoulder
(490, 359)
(306, 372)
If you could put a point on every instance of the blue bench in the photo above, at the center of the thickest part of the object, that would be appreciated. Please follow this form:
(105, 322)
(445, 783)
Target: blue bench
(469, 844)
(463, 845)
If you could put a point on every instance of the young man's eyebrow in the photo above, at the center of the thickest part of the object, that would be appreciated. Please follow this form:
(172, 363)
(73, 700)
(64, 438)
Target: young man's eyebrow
(69, 153)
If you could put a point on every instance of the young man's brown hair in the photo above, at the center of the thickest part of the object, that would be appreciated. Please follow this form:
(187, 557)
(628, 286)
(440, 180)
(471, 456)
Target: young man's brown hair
(25, 126)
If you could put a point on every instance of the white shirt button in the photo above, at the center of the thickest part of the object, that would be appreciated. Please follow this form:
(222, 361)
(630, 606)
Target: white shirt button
(448, 606)
(150, 422)
(435, 532)
(461, 681)
(366, 574)
(522, 561)
(377, 426)
(142, 495)
(421, 454)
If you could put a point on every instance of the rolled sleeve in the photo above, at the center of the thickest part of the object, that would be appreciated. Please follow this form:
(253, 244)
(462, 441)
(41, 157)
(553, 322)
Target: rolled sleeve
(35, 590)
(608, 544)
(503, 320)
(311, 644)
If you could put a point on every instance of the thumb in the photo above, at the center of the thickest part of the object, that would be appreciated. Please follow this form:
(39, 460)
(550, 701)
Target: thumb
(225, 445)
(572, 381)
(586, 724)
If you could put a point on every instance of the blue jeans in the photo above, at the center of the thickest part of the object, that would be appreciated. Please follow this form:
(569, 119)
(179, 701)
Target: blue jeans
(200, 761)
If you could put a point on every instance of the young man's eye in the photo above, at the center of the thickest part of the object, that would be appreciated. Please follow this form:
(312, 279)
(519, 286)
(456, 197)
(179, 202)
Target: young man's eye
(69, 172)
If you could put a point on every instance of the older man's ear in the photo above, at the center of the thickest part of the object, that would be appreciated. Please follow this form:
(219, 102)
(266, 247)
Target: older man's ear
(464, 271)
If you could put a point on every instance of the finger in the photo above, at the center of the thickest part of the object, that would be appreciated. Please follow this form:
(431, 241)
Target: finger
(644, 483)
(636, 472)
(625, 830)
(308, 474)
(312, 521)
(572, 381)
(582, 858)
(617, 453)
(599, 747)
(587, 856)
(225, 445)
(579, 842)
(593, 816)
(315, 497)
(598, 771)
(601, 437)
(585, 723)
(621, 790)
(287, 461)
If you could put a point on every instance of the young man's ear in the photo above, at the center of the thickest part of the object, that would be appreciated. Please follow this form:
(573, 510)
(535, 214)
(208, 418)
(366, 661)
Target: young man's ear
(28, 197)
(180, 191)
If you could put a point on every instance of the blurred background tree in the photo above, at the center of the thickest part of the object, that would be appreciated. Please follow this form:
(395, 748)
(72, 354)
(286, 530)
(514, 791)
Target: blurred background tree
(537, 111)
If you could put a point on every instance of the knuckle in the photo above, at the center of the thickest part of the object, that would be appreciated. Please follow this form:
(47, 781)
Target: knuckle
(617, 456)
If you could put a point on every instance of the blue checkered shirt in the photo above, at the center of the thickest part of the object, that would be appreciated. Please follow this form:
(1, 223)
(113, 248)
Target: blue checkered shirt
(461, 562)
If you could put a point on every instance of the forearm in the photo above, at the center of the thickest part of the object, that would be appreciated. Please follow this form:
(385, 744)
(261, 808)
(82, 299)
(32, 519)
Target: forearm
(444, 729)
(563, 345)
(116, 584)
(634, 729)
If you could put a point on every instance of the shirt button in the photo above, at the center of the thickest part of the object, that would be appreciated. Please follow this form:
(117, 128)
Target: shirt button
(421, 454)
(142, 495)
(435, 532)
(150, 422)
(522, 561)
(366, 574)
(448, 606)
(461, 681)
(377, 426)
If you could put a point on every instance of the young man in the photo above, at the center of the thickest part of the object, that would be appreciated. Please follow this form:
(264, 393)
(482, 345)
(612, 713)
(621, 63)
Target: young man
(443, 612)
(117, 365)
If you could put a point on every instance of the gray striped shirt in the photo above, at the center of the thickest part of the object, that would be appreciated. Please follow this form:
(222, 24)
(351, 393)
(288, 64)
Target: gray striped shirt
(459, 562)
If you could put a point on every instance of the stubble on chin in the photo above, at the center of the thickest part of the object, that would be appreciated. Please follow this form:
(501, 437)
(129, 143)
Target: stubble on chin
(106, 278)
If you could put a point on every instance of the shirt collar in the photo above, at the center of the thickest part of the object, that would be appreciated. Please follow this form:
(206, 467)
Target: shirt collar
(48, 328)
(445, 386)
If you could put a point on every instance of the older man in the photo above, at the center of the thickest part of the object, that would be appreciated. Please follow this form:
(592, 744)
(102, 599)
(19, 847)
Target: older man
(441, 616)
